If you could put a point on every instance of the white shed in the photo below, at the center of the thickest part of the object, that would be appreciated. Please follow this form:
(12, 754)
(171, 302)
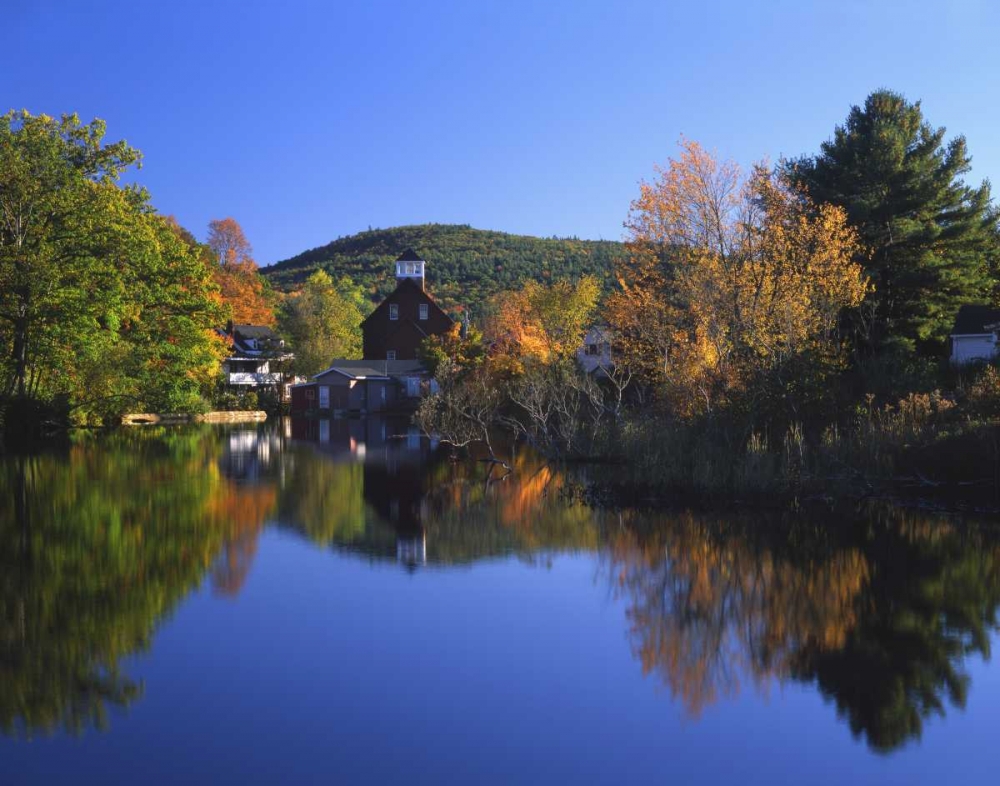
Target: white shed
(974, 337)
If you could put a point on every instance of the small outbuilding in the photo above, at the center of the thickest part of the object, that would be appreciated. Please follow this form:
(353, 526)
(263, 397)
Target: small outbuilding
(594, 356)
(361, 386)
(974, 337)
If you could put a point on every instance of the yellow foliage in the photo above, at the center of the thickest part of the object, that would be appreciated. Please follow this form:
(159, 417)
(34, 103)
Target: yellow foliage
(545, 321)
(728, 277)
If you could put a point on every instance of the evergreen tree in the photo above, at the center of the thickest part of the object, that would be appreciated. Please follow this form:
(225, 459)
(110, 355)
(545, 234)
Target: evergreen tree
(928, 234)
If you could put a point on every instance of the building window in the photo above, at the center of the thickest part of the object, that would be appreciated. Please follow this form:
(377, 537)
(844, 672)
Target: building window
(592, 349)
(393, 311)
(423, 311)
(390, 355)
(383, 392)
(310, 393)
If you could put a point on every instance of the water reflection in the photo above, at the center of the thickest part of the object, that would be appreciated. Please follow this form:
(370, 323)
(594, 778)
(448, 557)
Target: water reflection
(881, 615)
(99, 546)
(880, 612)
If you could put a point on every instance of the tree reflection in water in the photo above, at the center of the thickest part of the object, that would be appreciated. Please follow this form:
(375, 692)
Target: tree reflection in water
(881, 618)
(880, 610)
(99, 548)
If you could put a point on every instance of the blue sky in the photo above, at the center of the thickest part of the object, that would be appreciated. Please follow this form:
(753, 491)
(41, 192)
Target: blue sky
(306, 121)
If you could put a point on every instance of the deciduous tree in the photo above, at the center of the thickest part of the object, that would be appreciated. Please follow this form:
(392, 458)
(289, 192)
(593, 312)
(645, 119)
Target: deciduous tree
(100, 301)
(247, 294)
(321, 324)
(55, 176)
(545, 321)
(458, 346)
(731, 282)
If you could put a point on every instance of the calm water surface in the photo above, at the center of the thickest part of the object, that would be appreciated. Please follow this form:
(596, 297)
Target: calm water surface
(334, 602)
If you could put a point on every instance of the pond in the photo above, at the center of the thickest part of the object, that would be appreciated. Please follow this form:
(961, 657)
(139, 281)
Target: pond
(337, 601)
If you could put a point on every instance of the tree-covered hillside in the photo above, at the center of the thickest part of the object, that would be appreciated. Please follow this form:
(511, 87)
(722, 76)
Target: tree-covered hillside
(464, 265)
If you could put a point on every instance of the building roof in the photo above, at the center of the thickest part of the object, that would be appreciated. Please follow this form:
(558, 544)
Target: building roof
(409, 256)
(356, 369)
(402, 284)
(256, 341)
(256, 331)
(973, 320)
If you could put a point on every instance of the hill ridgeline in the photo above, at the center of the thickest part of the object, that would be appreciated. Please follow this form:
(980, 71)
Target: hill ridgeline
(465, 266)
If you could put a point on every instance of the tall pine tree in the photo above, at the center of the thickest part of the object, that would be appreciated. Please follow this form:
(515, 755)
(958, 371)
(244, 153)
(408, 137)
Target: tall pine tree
(928, 234)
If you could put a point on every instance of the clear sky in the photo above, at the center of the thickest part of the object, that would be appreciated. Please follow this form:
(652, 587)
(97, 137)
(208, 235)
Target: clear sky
(310, 120)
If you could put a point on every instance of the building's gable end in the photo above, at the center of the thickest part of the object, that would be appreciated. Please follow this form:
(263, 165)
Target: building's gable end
(384, 337)
(406, 292)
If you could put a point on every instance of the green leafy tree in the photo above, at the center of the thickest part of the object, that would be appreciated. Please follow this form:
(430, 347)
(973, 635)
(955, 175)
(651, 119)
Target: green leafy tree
(173, 349)
(321, 324)
(101, 301)
(461, 347)
(927, 232)
(57, 199)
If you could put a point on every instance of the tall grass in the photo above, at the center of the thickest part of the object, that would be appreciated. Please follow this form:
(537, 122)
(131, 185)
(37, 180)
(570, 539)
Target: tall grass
(924, 439)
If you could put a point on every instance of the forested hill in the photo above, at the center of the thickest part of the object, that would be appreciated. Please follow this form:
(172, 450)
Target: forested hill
(464, 265)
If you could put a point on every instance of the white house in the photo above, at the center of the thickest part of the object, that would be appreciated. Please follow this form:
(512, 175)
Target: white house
(595, 353)
(258, 359)
(974, 337)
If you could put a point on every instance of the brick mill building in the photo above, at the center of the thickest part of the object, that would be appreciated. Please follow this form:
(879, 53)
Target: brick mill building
(389, 376)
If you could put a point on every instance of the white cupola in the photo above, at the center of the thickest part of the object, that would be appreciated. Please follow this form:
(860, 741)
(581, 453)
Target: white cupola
(410, 266)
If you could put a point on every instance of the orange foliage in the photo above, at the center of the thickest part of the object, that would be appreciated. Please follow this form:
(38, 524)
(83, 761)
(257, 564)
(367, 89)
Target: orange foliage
(728, 278)
(242, 511)
(707, 612)
(243, 289)
(544, 320)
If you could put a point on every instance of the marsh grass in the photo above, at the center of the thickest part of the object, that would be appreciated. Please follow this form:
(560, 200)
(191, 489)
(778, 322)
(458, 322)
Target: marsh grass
(924, 441)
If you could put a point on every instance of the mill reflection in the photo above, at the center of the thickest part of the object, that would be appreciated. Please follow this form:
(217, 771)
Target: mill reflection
(880, 610)
(386, 491)
(363, 486)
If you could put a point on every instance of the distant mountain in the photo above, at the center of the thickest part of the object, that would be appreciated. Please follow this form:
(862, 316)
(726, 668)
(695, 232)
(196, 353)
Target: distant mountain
(464, 265)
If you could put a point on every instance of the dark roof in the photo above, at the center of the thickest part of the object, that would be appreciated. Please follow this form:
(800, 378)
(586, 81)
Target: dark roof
(255, 331)
(374, 368)
(401, 285)
(972, 320)
(409, 256)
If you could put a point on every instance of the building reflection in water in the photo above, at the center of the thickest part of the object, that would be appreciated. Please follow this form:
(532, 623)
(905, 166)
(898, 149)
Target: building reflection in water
(394, 457)
(880, 609)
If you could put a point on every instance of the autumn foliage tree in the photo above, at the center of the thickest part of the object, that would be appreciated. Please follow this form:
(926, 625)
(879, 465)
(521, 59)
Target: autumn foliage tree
(733, 284)
(545, 321)
(459, 346)
(244, 290)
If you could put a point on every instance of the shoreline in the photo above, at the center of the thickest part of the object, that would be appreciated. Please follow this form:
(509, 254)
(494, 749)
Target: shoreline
(164, 419)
